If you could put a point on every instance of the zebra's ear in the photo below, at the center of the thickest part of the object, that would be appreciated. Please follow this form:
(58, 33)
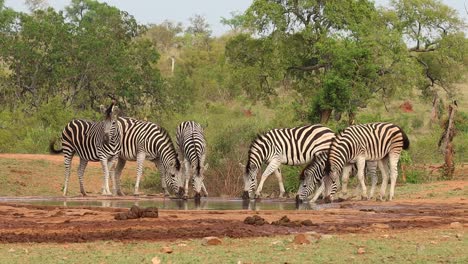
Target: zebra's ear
(115, 110)
(103, 109)
(242, 165)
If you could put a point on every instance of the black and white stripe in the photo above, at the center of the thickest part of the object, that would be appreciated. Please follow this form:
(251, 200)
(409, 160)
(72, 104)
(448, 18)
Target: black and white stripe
(146, 140)
(92, 141)
(191, 144)
(290, 146)
(312, 175)
(382, 142)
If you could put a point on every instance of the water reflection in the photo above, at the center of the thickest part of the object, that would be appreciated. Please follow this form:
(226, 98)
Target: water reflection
(171, 204)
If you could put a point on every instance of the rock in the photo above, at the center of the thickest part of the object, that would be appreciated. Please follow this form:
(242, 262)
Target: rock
(314, 235)
(255, 220)
(307, 223)
(380, 226)
(155, 260)
(456, 225)
(211, 241)
(301, 239)
(361, 250)
(459, 236)
(137, 212)
(166, 250)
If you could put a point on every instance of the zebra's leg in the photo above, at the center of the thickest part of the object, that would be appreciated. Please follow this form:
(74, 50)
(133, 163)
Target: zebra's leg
(361, 164)
(81, 170)
(384, 171)
(118, 172)
(318, 192)
(140, 160)
(273, 166)
(105, 186)
(393, 167)
(204, 190)
(345, 178)
(371, 170)
(187, 177)
(112, 162)
(280, 182)
(67, 162)
(162, 171)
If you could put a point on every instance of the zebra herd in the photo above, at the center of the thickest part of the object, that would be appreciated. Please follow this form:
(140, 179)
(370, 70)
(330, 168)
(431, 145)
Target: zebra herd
(327, 155)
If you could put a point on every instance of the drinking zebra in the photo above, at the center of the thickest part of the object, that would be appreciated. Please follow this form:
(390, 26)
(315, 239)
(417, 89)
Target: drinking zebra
(382, 142)
(290, 146)
(92, 141)
(192, 150)
(145, 140)
(312, 175)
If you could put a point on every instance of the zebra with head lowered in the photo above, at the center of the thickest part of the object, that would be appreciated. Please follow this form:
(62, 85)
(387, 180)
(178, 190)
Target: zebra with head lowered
(92, 141)
(312, 175)
(192, 149)
(290, 146)
(145, 140)
(382, 142)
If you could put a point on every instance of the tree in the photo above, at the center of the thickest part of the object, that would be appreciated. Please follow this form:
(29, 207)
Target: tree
(34, 5)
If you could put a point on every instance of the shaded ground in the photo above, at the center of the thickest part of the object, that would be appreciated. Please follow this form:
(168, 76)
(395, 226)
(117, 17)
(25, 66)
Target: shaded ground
(27, 223)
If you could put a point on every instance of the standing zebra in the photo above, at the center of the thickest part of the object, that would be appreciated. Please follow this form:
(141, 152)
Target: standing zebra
(93, 141)
(290, 146)
(192, 149)
(382, 142)
(314, 172)
(145, 140)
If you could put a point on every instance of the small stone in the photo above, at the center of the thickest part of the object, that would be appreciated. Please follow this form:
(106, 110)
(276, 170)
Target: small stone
(166, 250)
(301, 239)
(361, 250)
(459, 236)
(314, 234)
(456, 225)
(182, 245)
(11, 250)
(332, 228)
(307, 223)
(155, 260)
(211, 241)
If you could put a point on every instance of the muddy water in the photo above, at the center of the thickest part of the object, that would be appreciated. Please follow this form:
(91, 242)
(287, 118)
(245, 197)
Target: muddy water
(173, 204)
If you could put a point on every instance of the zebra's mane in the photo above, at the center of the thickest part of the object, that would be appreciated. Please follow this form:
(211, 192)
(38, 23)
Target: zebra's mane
(253, 143)
(171, 145)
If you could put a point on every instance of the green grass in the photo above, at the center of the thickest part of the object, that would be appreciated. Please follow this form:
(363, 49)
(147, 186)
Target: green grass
(416, 246)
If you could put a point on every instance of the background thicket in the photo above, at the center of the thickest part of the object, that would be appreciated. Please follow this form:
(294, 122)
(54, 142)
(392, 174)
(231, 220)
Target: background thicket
(284, 63)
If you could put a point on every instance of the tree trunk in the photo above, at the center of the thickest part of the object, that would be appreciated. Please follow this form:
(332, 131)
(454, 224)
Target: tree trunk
(435, 109)
(447, 146)
(325, 115)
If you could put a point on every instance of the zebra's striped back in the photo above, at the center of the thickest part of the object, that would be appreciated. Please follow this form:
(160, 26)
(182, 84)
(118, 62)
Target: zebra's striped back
(191, 143)
(372, 141)
(290, 146)
(146, 137)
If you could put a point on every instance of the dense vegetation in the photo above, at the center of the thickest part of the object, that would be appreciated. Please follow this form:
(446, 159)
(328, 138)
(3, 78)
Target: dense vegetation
(283, 63)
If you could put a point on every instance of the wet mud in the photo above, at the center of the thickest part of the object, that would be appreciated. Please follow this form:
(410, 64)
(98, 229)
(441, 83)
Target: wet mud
(33, 223)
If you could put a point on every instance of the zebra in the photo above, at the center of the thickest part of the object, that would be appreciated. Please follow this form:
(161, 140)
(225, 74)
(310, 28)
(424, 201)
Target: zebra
(191, 144)
(92, 141)
(314, 172)
(290, 146)
(146, 140)
(382, 142)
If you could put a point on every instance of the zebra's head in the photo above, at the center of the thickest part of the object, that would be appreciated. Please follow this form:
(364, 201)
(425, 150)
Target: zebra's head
(250, 180)
(173, 176)
(306, 186)
(110, 121)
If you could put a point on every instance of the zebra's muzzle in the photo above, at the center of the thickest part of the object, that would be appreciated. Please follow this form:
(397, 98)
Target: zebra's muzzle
(245, 195)
(298, 200)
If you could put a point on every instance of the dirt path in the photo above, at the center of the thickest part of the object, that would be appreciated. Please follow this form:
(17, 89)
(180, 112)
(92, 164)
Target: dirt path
(26, 223)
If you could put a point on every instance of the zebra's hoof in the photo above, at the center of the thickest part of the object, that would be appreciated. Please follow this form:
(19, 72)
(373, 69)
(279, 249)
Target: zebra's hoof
(185, 197)
(364, 198)
(136, 194)
(120, 193)
(197, 196)
(245, 196)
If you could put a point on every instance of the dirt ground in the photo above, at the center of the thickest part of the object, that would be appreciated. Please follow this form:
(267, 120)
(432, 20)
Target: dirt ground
(30, 223)
(27, 223)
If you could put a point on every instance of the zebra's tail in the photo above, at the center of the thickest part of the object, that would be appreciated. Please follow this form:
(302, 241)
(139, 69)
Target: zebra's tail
(406, 142)
(52, 150)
